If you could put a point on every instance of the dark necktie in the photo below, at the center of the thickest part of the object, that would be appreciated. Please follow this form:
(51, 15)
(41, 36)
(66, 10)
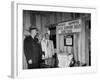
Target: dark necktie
(47, 43)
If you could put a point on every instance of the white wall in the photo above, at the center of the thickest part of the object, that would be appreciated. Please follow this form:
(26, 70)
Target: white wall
(5, 39)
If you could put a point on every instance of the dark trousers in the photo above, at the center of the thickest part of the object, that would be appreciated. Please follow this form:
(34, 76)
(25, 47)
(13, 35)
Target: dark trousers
(33, 66)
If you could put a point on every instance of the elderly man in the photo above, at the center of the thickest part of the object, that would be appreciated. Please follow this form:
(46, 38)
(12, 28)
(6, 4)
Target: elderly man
(32, 49)
(48, 49)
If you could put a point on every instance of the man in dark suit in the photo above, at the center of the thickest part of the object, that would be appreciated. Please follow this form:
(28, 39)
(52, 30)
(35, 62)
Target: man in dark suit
(32, 50)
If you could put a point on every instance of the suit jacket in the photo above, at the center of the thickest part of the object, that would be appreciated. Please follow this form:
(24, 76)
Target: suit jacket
(48, 49)
(32, 50)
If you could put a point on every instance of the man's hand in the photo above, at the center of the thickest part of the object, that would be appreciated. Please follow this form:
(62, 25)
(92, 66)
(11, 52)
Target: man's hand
(43, 57)
(30, 61)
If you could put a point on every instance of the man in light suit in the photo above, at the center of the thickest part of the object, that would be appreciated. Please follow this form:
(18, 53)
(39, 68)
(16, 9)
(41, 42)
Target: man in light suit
(48, 49)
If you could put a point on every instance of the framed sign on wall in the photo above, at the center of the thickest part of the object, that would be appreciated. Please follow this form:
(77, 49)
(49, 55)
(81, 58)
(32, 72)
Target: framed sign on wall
(68, 40)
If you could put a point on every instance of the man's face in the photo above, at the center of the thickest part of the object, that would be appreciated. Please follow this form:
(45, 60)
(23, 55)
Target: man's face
(47, 36)
(34, 32)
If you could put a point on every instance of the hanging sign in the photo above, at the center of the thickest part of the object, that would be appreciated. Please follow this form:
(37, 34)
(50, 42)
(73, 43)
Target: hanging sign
(70, 26)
